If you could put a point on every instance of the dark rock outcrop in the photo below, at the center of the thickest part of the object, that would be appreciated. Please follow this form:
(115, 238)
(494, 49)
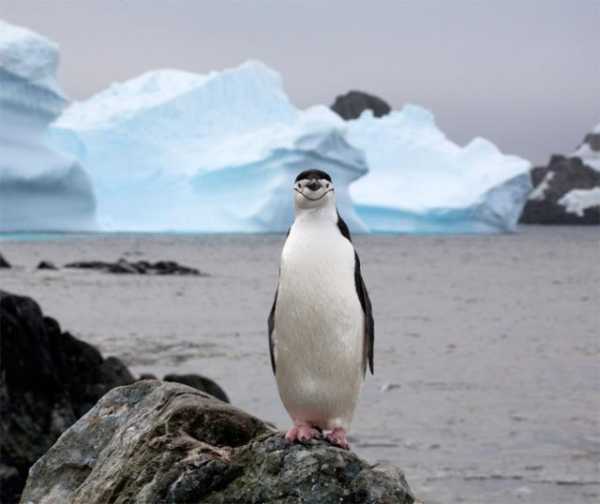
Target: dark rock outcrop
(354, 103)
(138, 267)
(165, 442)
(4, 263)
(47, 265)
(199, 383)
(593, 141)
(551, 183)
(48, 379)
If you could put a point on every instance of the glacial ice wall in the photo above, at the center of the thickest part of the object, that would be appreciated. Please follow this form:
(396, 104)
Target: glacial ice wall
(172, 150)
(40, 189)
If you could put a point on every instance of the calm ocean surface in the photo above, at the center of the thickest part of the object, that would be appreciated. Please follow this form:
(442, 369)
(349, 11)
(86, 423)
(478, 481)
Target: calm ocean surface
(487, 347)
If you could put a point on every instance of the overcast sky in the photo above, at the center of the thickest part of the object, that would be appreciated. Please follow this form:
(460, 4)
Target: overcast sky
(523, 73)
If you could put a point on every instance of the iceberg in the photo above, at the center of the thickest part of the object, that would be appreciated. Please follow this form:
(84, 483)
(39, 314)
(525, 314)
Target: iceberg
(419, 181)
(173, 150)
(40, 189)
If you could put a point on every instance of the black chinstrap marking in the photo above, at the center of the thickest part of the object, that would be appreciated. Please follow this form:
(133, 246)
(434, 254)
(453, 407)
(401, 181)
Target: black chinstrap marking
(314, 199)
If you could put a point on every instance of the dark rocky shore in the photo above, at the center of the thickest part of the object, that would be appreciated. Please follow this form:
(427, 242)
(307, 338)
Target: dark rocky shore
(109, 438)
(164, 442)
(49, 379)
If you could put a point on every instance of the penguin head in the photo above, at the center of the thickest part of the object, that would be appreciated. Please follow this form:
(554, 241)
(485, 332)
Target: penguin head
(313, 189)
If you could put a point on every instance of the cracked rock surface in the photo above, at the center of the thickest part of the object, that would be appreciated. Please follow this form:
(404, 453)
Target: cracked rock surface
(157, 442)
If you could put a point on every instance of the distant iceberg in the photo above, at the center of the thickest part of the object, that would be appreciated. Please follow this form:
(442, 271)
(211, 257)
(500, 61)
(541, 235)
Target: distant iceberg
(172, 150)
(419, 181)
(40, 189)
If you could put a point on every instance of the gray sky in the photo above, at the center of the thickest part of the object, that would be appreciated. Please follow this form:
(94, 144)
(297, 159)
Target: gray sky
(523, 73)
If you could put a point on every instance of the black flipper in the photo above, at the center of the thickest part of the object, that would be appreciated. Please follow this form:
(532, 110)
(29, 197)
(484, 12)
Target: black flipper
(365, 302)
(343, 227)
(271, 324)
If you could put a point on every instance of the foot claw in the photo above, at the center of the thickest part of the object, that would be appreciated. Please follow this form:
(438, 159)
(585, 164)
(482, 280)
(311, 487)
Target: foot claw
(302, 433)
(337, 437)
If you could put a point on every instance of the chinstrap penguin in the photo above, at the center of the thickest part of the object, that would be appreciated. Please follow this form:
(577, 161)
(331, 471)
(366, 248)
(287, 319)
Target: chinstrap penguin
(321, 329)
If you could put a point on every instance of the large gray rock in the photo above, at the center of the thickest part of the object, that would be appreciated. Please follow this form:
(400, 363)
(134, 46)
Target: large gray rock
(157, 442)
(354, 103)
(48, 379)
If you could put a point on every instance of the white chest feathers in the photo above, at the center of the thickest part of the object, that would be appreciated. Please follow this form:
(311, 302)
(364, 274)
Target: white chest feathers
(319, 325)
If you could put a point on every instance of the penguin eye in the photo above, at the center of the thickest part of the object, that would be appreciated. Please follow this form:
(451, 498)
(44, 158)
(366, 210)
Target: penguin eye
(327, 185)
(298, 185)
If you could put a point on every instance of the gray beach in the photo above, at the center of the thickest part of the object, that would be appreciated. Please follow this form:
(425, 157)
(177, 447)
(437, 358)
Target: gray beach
(487, 354)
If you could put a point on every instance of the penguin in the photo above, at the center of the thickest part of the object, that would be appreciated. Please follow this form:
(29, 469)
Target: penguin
(321, 329)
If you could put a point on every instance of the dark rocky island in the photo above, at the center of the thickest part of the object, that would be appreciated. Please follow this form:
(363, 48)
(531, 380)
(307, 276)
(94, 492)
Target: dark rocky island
(553, 201)
(165, 442)
(352, 104)
(46, 265)
(137, 267)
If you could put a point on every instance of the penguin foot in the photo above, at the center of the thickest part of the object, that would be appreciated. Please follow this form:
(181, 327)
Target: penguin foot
(302, 432)
(337, 437)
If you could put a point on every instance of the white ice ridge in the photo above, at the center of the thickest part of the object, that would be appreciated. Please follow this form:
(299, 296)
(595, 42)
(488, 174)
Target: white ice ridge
(419, 181)
(40, 189)
(577, 200)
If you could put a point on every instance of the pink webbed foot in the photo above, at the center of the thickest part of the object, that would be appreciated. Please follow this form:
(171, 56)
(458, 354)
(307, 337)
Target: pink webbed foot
(337, 437)
(302, 432)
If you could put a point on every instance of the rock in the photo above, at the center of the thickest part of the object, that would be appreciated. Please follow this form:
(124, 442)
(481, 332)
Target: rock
(123, 266)
(552, 183)
(46, 265)
(115, 373)
(48, 379)
(593, 140)
(165, 442)
(354, 103)
(147, 376)
(4, 264)
(199, 383)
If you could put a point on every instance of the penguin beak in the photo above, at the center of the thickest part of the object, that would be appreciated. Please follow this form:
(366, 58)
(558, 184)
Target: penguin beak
(314, 185)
